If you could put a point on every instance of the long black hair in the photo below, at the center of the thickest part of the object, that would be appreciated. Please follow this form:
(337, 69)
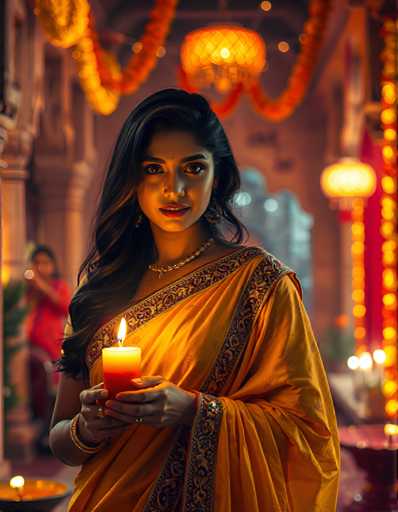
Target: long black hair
(120, 254)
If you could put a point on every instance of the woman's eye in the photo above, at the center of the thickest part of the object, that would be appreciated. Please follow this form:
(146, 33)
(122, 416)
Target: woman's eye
(152, 169)
(195, 168)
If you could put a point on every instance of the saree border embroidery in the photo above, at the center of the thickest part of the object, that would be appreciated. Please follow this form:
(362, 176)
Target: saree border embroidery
(160, 301)
(199, 484)
(264, 276)
(198, 496)
(198, 479)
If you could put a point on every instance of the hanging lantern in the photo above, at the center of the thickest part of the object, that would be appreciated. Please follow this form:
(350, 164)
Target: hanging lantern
(347, 180)
(222, 56)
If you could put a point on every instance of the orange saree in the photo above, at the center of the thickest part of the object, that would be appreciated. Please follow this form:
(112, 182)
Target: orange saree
(264, 438)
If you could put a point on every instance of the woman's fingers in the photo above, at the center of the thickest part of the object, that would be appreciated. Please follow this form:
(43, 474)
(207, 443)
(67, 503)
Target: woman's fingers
(129, 412)
(90, 396)
(148, 381)
(137, 397)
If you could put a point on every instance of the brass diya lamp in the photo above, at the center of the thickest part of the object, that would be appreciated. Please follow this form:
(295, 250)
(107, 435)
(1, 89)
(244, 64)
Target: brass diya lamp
(39, 495)
(375, 450)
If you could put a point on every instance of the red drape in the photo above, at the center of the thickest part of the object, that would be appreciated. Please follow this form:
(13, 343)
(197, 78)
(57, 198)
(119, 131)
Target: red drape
(371, 154)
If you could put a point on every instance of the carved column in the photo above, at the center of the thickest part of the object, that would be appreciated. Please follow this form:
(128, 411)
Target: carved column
(62, 220)
(63, 166)
(21, 433)
(21, 73)
(9, 103)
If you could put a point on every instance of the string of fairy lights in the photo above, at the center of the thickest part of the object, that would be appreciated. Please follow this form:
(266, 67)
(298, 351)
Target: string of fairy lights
(388, 204)
(358, 274)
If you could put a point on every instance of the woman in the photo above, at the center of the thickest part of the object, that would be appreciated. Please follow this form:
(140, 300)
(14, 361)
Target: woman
(48, 297)
(234, 411)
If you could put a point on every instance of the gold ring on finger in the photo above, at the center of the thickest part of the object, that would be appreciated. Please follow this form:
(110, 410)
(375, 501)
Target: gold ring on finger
(100, 412)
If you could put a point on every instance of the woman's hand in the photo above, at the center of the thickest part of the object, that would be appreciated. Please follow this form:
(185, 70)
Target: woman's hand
(93, 428)
(158, 403)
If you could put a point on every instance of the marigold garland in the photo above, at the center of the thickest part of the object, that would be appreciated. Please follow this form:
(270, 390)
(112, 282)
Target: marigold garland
(142, 62)
(222, 108)
(64, 21)
(85, 54)
(99, 72)
(282, 107)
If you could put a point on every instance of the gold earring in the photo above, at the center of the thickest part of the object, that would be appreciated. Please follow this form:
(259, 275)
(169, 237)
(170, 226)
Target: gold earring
(212, 214)
(139, 221)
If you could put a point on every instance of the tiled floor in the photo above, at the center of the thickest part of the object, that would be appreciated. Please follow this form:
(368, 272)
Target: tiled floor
(351, 478)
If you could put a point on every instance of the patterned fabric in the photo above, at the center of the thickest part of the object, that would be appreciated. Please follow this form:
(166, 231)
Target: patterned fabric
(167, 297)
(265, 434)
(198, 480)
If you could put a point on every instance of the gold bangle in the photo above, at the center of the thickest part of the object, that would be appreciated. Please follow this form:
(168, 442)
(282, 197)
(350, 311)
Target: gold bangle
(85, 448)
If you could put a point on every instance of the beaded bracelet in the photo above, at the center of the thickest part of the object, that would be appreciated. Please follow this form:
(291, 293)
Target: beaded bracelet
(85, 448)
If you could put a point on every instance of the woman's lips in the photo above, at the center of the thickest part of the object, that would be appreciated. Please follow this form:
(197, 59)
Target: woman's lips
(174, 213)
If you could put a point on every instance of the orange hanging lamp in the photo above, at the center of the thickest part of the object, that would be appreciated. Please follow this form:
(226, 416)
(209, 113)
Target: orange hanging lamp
(222, 56)
(347, 180)
(231, 58)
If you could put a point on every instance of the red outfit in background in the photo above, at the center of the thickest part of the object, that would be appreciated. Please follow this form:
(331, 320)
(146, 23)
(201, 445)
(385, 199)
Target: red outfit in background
(46, 319)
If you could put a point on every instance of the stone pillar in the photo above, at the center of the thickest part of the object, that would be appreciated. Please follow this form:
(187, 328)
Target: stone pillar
(62, 220)
(63, 167)
(21, 432)
(9, 104)
(20, 76)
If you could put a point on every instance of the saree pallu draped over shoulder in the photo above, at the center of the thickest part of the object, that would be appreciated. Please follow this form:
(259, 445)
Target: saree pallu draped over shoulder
(264, 438)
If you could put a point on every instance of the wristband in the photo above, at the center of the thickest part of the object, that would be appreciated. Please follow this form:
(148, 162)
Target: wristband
(83, 447)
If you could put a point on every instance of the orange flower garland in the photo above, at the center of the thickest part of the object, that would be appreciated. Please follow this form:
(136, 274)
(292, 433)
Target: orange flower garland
(282, 107)
(142, 62)
(223, 108)
(99, 72)
(64, 21)
(85, 54)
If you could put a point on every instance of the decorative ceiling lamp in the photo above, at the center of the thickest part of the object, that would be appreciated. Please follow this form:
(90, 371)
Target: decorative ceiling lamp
(230, 58)
(223, 56)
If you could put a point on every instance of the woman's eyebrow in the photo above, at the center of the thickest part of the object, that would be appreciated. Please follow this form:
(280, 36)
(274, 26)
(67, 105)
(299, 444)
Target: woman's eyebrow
(197, 156)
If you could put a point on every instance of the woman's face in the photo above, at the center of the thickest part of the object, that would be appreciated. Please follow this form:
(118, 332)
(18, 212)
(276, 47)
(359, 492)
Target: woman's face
(175, 172)
(43, 265)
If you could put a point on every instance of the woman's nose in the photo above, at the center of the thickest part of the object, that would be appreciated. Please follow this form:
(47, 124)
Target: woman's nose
(175, 183)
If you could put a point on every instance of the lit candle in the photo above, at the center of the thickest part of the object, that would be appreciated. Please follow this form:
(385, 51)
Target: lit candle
(390, 430)
(17, 482)
(120, 364)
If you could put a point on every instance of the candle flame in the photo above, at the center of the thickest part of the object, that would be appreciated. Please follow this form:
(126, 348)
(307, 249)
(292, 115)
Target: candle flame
(390, 429)
(121, 333)
(17, 482)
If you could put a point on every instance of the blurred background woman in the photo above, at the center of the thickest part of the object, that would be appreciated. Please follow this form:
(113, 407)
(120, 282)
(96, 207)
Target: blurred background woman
(48, 298)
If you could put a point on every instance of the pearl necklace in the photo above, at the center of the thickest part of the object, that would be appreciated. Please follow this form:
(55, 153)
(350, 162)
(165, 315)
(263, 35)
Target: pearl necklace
(162, 269)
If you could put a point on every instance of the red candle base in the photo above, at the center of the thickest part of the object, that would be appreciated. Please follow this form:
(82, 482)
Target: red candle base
(118, 382)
